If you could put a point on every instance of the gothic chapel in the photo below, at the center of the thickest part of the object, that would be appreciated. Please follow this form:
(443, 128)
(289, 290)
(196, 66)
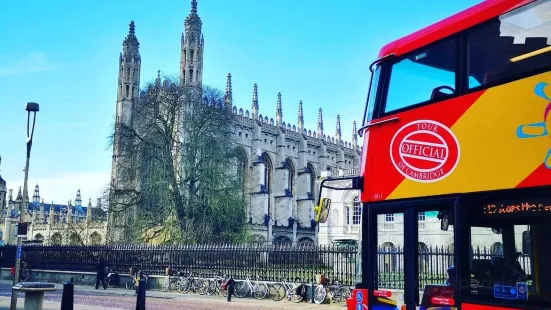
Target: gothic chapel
(280, 162)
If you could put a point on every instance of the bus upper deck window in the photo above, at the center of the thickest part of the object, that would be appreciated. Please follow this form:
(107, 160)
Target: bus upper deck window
(514, 45)
(424, 75)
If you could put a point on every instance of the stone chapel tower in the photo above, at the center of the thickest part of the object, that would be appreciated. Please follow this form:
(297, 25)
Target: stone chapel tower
(191, 57)
(127, 93)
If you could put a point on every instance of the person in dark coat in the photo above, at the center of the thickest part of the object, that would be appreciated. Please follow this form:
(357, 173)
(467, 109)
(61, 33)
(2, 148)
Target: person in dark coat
(100, 275)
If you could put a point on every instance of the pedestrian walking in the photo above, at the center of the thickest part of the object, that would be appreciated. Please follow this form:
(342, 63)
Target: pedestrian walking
(100, 275)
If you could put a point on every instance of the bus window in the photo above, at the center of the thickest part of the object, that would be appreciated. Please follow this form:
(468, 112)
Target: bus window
(502, 272)
(372, 94)
(515, 45)
(425, 75)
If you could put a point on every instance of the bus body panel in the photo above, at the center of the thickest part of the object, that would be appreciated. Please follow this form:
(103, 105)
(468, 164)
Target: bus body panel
(492, 139)
(466, 306)
(472, 16)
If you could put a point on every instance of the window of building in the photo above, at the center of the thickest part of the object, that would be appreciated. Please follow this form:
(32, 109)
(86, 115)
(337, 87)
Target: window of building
(421, 216)
(348, 216)
(428, 74)
(290, 175)
(357, 213)
(267, 172)
(312, 172)
(514, 45)
(389, 218)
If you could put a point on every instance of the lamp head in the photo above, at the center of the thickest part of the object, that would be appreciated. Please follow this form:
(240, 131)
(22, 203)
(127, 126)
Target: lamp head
(32, 107)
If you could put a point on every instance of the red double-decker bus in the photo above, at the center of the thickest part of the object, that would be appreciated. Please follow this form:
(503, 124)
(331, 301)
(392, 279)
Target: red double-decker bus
(457, 156)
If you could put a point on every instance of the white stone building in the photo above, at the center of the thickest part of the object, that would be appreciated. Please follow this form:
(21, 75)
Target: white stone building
(51, 223)
(280, 160)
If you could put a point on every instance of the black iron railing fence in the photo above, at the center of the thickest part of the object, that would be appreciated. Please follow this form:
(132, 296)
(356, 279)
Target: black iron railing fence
(268, 262)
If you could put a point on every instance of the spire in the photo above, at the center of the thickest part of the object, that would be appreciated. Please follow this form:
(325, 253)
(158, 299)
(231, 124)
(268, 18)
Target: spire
(129, 67)
(132, 29)
(89, 211)
(279, 111)
(78, 199)
(19, 195)
(2, 182)
(338, 129)
(254, 107)
(69, 212)
(191, 53)
(320, 123)
(229, 96)
(130, 44)
(300, 120)
(51, 217)
(354, 135)
(158, 79)
(36, 196)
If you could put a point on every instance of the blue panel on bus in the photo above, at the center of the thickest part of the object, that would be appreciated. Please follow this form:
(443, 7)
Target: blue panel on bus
(522, 291)
(505, 292)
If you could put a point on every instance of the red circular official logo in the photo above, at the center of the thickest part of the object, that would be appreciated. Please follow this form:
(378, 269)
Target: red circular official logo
(424, 151)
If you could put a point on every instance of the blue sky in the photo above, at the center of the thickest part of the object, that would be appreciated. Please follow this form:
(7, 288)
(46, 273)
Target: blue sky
(64, 55)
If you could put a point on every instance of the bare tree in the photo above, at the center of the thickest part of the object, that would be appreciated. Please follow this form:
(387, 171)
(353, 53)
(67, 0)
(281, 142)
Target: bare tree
(177, 178)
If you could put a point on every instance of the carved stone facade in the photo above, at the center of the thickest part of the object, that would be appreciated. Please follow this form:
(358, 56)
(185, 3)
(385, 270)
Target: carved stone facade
(279, 161)
(54, 224)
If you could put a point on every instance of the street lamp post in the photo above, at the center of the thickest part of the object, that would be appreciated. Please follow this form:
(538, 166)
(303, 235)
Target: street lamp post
(31, 107)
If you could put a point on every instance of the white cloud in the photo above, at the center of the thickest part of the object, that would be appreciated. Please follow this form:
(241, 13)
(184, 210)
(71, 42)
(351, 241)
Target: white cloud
(63, 188)
(33, 62)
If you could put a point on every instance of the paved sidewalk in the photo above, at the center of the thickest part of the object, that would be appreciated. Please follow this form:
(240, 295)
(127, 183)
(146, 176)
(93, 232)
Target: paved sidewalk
(174, 299)
(48, 305)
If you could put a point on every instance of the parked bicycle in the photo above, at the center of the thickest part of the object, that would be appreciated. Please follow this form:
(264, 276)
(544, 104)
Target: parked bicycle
(279, 290)
(339, 293)
(135, 276)
(218, 285)
(198, 285)
(24, 271)
(112, 278)
(256, 288)
(173, 282)
(299, 293)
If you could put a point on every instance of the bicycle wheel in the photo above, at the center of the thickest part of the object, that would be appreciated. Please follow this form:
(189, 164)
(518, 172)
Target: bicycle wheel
(130, 285)
(241, 289)
(166, 285)
(110, 282)
(202, 286)
(211, 287)
(277, 292)
(342, 295)
(179, 285)
(186, 286)
(24, 276)
(296, 298)
(262, 290)
(320, 293)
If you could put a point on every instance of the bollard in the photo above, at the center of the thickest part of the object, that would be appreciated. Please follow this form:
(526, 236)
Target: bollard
(68, 297)
(140, 300)
(313, 288)
(229, 287)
